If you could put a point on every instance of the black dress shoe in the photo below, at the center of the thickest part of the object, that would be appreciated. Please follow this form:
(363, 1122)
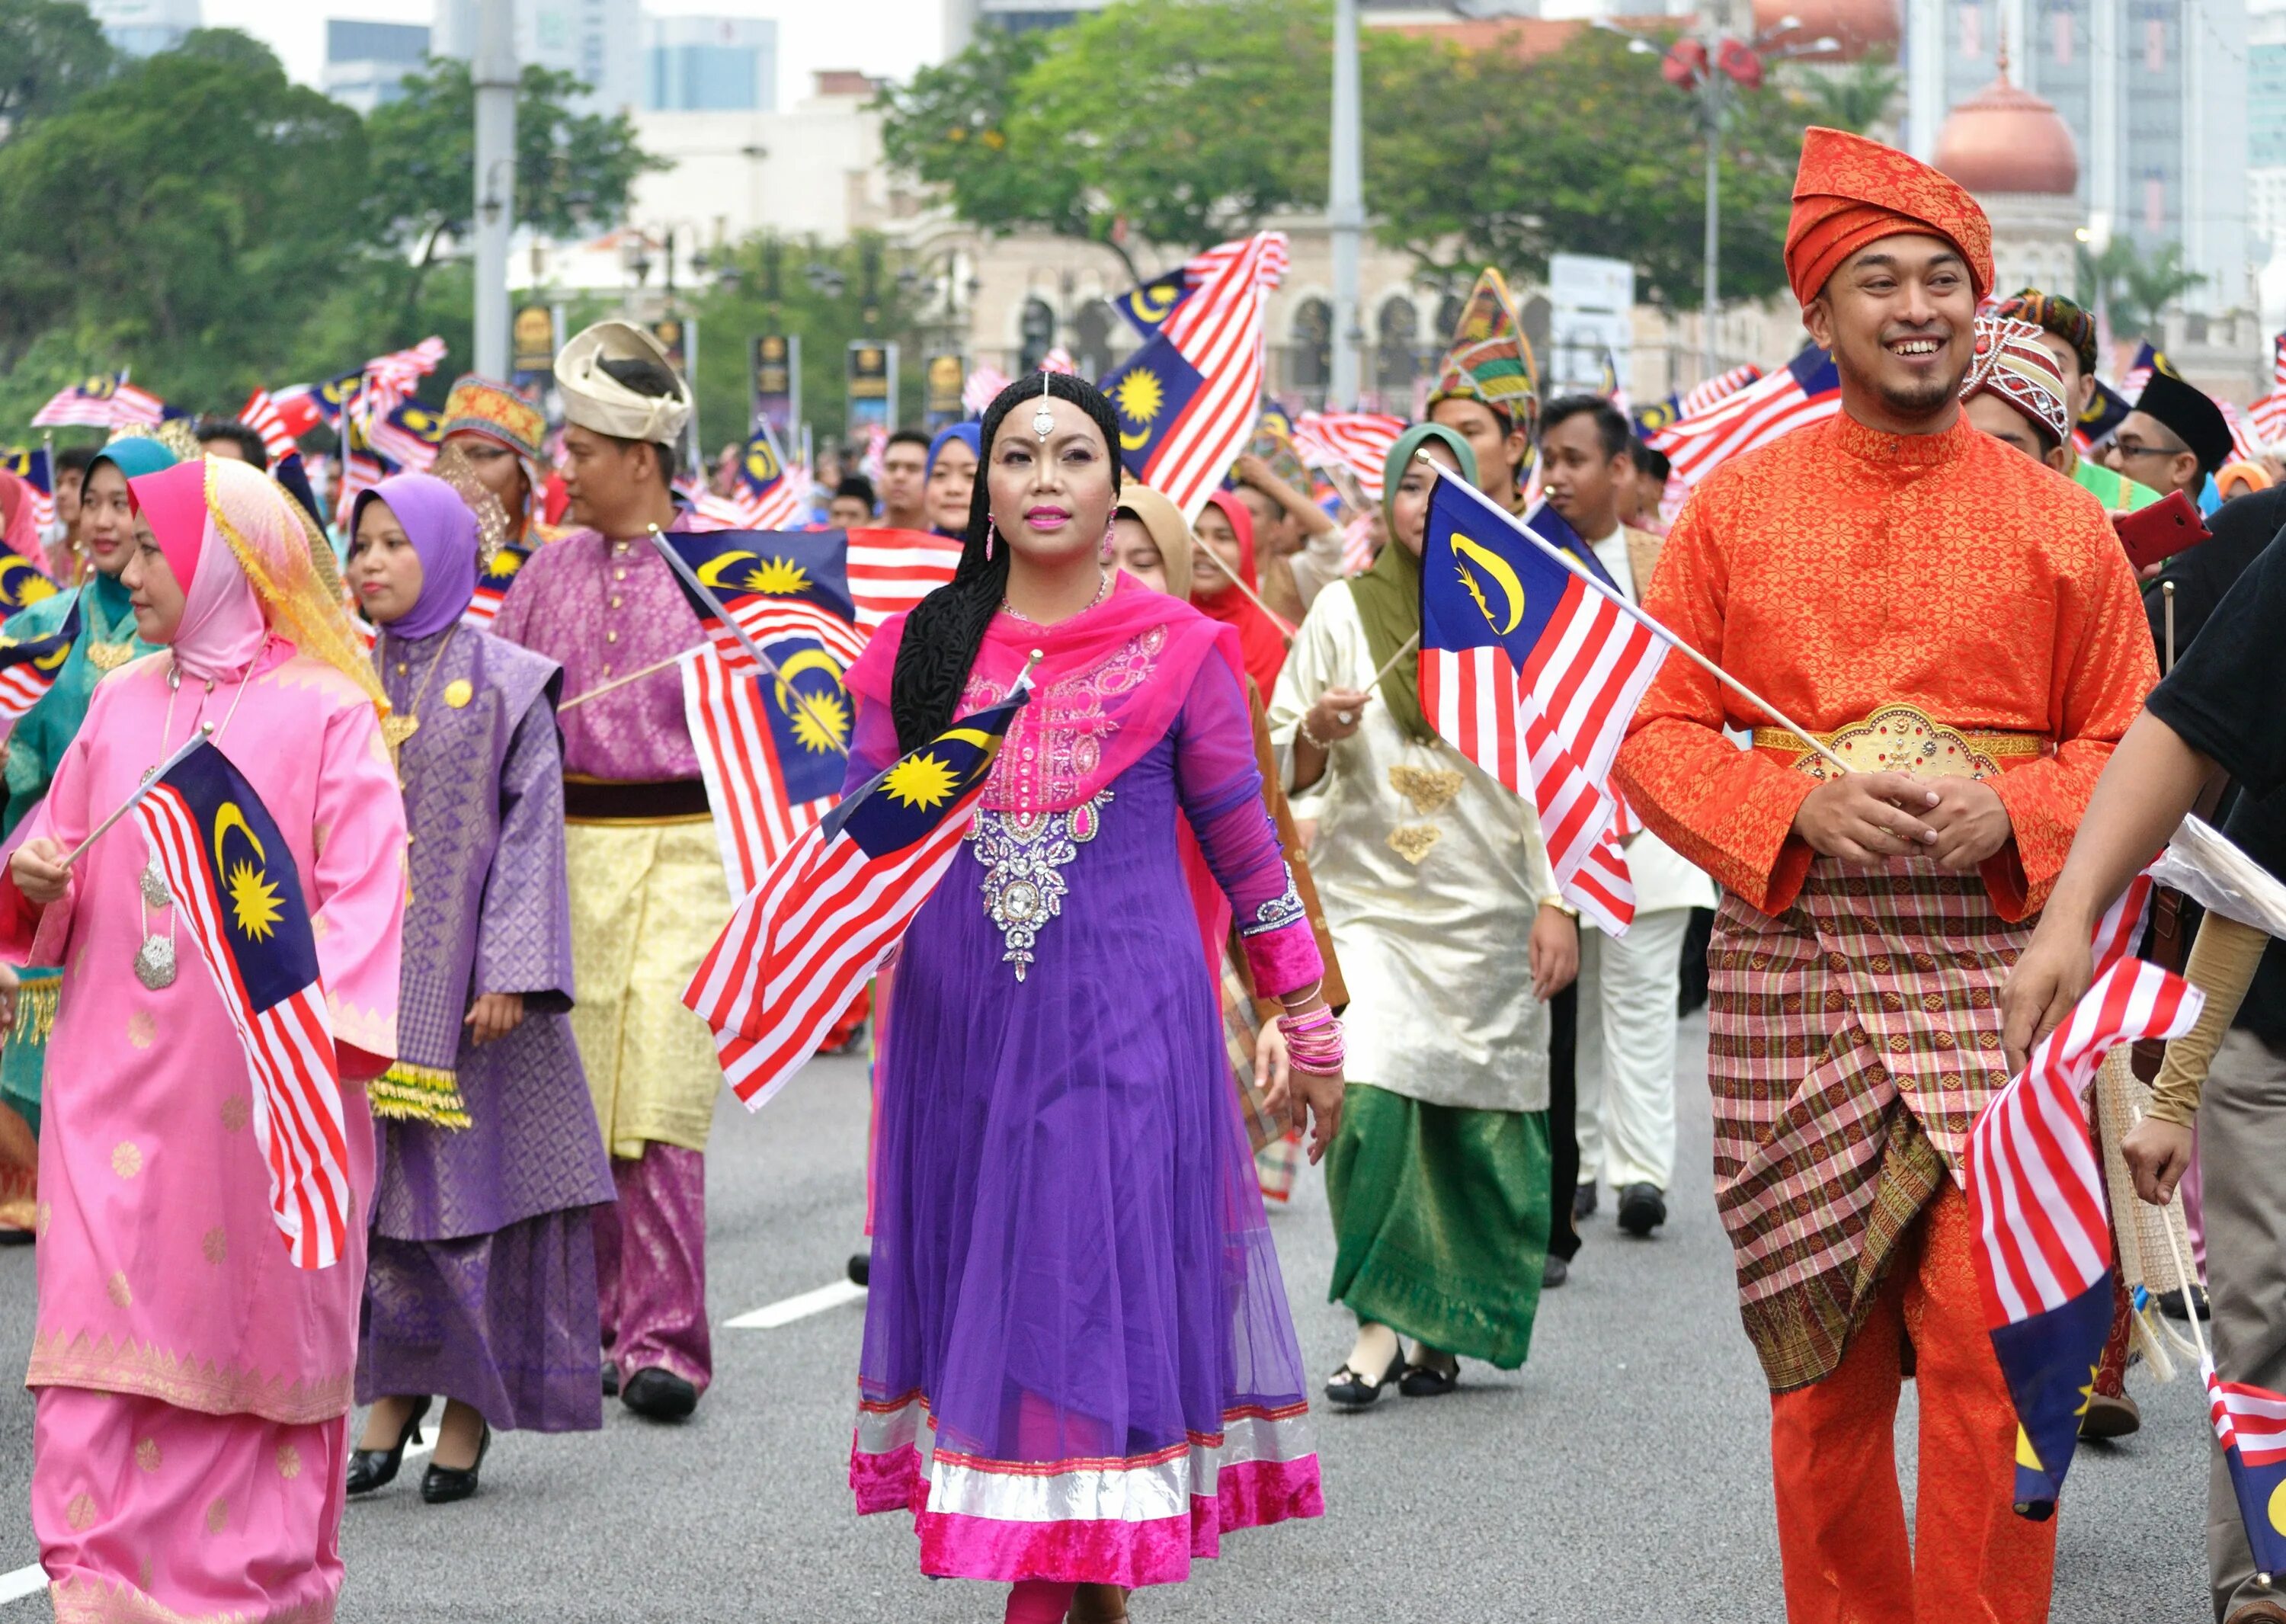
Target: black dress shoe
(1347, 1389)
(860, 1268)
(660, 1394)
(1642, 1209)
(441, 1486)
(610, 1379)
(1554, 1273)
(370, 1469)
(2170, 1304)
(1430, 1381)
(1583, 1201)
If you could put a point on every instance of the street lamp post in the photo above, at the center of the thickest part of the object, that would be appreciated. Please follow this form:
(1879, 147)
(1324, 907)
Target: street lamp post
(1346, 206)
(494, 78)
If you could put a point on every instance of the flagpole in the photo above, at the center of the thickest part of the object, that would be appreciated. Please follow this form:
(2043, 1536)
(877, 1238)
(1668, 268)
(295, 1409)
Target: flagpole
(1199, 550)
(601, 689)
(141, 790)
(1408, 646)
(1660, 631)
(690, 579)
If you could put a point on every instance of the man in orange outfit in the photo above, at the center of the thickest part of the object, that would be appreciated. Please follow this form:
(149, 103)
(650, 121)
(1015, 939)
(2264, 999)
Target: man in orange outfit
(1957, 623)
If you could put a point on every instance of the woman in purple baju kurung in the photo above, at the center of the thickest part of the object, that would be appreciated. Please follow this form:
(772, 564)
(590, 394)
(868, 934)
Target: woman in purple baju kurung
(482, 1283)
(1078, 1367)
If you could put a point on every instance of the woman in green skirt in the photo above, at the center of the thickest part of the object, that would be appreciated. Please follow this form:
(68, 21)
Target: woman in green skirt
(1437, 885)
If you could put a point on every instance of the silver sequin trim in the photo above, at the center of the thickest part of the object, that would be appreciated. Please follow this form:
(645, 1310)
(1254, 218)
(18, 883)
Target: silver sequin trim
(1023, 856)
(1278, 912)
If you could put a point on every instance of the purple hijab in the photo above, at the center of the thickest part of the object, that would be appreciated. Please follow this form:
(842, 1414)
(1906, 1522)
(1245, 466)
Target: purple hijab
(442, 532)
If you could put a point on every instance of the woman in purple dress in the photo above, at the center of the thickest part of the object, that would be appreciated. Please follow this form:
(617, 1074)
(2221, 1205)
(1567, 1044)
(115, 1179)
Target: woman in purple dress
(1078, 1369)
(482, 1281)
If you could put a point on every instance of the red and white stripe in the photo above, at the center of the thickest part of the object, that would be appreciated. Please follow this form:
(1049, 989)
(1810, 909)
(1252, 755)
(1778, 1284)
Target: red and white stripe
(125, 404)
(1753, 417)
(2036, 1191)
(1357, 545)
(2269, 412)
(1716, 389)
(775, 507)
(2249, 1419)
(798, 947)
(2121, 925)
(298, 1120)
(1357, 441)
(766, 619)
(1217, 329)
(890, 571)
(21, 687)
(724, 705)
(1060, 359)
(2246, 440)
(984, 385)
(260, 413)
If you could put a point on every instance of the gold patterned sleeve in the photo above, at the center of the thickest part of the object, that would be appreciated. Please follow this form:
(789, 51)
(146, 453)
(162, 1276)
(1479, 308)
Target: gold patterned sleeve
(2102, 667)
(1727, 810)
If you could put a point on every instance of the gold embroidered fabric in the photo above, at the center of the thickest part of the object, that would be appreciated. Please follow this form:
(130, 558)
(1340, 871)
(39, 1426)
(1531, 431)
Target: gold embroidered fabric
(83, 1360)
(1903, 739)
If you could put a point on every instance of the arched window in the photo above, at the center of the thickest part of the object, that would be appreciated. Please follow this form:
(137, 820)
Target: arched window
(1397, 361)
(1036, 327)
(1091, 333)
(1309, 363)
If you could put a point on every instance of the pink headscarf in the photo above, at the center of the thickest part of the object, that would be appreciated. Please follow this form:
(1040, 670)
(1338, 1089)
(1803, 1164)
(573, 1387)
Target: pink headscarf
(19, 532)
(223, 628)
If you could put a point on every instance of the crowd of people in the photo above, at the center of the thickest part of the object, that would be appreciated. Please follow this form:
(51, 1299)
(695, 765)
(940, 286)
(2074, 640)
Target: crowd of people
(1228, 899)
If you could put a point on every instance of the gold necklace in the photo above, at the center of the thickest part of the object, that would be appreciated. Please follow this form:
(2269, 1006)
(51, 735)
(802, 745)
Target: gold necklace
(399, 726)
(1101, 588)
(105, 656)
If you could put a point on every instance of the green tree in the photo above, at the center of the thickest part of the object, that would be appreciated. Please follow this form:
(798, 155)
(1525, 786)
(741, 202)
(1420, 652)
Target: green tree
(1855, 97)
(52, 53)
(572, 170)
(188, 213)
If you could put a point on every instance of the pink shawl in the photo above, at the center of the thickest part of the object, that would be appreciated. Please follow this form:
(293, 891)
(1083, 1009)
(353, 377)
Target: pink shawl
(20, 530)
(1110, 683)
(223, 628)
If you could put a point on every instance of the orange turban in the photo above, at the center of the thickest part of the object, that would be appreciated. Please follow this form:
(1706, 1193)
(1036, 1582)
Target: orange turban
(1850, 192)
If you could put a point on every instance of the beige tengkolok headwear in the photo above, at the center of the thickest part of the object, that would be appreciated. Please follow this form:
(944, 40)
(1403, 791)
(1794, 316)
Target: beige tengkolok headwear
(595, 400)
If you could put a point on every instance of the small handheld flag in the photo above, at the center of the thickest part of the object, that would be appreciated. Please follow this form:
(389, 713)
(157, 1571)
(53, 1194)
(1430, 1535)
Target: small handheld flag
(2043, 1233)
(767, 584)
(1807, 390)
(233, 878)
(838, 901)
(493, 585)
(768, 496)
(772, 750)
(28, 669)
(2249, 1422)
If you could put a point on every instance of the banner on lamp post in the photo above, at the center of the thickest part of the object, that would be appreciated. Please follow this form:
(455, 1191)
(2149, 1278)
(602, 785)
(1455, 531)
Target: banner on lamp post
(774, 365)
(872, 386)
(942, 378)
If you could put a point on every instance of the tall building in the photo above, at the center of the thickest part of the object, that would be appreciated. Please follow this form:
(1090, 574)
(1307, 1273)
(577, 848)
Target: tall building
(599, 41)
(2266, 126)
(2154, 93)
(367, 62)
(710, 65)
(141, 27)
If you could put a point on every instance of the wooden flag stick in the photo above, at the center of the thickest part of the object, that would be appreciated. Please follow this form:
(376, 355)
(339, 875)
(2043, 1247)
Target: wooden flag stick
(1407, 647)
(825, 725)
(173, 761)
(601, 689)
(1252, 596)
(2167, 593)
(1619, 600)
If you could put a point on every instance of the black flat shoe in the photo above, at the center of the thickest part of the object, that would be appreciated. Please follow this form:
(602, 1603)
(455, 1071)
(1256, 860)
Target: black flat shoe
(2170, 1304)
(371, 1469)
(661, 1395)
(1429, 1381)
(1554, 1273)
(610, 1379)
(1583, 1201)
(1348, 1390)
(860, 1268)
(1642, 1209)
(441, 1486)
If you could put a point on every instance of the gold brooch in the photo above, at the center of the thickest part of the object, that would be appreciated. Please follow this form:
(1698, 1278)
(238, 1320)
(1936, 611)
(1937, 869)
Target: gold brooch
(1427, 788)
(458, 692)
(1411, 841)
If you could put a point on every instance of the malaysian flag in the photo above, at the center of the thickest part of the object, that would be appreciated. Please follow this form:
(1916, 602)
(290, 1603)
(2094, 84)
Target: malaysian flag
(890, 571)
(773, 750)
(22, 583)
(1357, 545)
(36, 469)
(2269, 412)
(1060, 359)
(492, 581)
(2250, 1423)
(1660, 415)
(1532, 664)
(2245, 439)
(261, 413)
(2101, 418)
(102, 402)
(408, 435)
(2148, 360)
(1807, 390)
(28, 669)
(876, 447)
(2035, 1200)
(1149, 305)
(983, 387)
(837, 901)
(774, 584)
(1188, 399)
(1357, 441)
(767, 494)
(239, 894)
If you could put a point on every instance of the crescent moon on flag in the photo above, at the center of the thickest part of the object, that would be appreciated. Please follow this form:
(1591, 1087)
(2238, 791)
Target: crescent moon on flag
(808, 659)
(1498, 568)
(1152, 303)
(710, 573)
(224, 820)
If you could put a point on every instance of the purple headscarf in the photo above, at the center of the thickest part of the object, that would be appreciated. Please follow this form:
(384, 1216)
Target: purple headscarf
(442, 532)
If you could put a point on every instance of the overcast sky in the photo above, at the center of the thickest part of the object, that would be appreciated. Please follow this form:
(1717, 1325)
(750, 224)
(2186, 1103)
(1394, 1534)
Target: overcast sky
(890, 37)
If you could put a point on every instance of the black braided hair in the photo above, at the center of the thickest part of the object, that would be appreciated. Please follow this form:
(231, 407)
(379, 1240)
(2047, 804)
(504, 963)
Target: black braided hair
(946, 629)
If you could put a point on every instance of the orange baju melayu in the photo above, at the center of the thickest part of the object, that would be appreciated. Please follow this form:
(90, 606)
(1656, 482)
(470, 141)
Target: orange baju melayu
(1933, 603)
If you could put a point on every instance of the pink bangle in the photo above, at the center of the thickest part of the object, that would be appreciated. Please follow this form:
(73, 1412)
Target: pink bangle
(1314, 1041)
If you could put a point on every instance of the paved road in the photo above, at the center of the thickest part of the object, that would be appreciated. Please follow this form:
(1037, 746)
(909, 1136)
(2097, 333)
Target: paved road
(1621, 1474)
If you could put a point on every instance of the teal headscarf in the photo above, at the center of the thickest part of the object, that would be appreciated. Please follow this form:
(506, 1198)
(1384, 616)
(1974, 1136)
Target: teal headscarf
(1388, 596)
(136, 456)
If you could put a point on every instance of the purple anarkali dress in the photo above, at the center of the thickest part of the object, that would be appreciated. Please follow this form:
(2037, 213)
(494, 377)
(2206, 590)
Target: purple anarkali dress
(482, 1284)
(1078, 1364)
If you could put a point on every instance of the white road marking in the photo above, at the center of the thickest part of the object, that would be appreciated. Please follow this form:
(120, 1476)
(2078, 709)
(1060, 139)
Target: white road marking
(770, 1317)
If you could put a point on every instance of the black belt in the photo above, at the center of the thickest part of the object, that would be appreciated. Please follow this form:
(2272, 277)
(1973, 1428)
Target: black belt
(609, 801)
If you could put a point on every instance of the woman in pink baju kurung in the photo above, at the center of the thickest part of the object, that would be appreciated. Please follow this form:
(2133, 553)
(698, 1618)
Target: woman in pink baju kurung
(193, 1384)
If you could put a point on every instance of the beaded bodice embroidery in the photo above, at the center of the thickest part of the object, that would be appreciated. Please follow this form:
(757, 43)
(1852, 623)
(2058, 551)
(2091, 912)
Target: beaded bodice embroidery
(1057, 740)
(1023, 856)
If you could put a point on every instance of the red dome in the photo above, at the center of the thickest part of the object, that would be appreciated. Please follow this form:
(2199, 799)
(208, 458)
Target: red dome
(1857, 25)
(2006, 140)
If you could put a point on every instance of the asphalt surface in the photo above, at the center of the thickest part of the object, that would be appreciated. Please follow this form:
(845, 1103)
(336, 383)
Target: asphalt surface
(1621, 1474)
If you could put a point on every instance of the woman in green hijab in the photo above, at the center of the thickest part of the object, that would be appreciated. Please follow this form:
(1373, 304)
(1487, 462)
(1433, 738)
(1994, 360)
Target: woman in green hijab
(1437, 889)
